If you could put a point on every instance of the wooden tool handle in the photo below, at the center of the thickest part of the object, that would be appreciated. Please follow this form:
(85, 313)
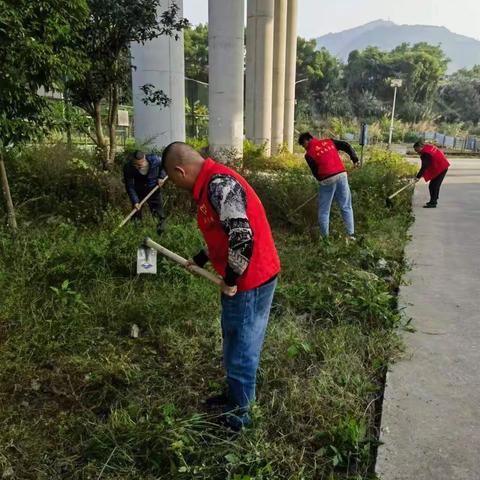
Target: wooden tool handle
(134, 211)
(304, 203)
(413, 182)
(183, 262)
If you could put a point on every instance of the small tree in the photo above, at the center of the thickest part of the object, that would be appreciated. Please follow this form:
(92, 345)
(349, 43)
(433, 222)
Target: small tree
(459, 99)
(196, 53)
(37, 48)
(421, 67)
(320, 88)
(112, 26)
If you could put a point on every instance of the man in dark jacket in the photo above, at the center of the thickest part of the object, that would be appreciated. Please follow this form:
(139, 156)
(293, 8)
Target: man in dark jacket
(141, 174)
(327, 167)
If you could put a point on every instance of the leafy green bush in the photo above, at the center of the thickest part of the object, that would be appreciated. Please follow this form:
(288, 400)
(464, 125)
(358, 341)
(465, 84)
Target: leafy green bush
(54, 183)
(199, 144)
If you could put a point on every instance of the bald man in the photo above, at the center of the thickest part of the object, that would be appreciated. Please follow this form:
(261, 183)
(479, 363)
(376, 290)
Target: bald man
(240, 246)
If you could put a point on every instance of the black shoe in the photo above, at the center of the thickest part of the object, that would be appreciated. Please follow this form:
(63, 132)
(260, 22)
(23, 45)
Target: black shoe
(234, 427)
(430, 205)
(217, 401)
(226, 430)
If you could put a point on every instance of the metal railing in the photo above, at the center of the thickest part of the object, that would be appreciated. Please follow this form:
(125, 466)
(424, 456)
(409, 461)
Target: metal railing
(469, 143)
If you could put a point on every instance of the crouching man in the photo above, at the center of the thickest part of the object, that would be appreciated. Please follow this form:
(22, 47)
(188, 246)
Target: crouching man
(240, 246)
(142, 173)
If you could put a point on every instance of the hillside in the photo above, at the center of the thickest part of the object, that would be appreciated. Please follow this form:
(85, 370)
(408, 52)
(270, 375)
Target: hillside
(464, 52)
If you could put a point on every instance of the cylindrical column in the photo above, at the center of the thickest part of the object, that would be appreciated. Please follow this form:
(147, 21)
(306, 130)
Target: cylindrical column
(259, 72)
(278, 98)
(159, 62)
(250, 71)
(290, 72)
(225, 91)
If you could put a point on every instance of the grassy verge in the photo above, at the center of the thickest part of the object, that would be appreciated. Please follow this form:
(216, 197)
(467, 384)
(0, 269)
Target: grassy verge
(81, 399)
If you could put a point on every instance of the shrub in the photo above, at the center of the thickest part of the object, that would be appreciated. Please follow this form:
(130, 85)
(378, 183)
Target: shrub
(53, 182)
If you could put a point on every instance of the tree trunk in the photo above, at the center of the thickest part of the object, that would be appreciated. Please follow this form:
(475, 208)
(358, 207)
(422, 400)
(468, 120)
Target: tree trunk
(67, 116)
(112, 127)
(12, 221)
(100, 138)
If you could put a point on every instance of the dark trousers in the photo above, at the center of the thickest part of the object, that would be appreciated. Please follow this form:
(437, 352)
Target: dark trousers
(434, 187)
(155, 203)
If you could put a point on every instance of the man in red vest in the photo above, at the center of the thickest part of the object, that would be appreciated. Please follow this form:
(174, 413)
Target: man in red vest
(327, 167)
(434, 168)
(240, 247)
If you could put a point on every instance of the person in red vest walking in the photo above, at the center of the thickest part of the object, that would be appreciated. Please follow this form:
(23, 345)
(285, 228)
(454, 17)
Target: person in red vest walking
(327, 167)
(240, 247)
(434, 168)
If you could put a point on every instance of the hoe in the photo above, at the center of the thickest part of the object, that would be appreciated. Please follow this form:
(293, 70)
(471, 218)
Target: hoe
(388, 200)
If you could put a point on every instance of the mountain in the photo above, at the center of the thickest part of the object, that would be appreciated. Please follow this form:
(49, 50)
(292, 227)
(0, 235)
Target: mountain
(464, 52)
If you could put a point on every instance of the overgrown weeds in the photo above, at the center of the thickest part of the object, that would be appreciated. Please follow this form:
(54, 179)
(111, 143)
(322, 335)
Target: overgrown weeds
(82, 399)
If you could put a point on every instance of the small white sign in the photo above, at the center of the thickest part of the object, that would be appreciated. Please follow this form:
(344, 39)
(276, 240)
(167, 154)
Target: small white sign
(146, 260)
(122, 118)
(396, 82)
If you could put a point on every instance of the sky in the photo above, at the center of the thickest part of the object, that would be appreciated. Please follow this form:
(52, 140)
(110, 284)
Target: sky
(318, 17)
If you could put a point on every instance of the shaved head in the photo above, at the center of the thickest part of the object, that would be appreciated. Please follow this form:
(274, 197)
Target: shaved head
(182, 164)
(179, 153)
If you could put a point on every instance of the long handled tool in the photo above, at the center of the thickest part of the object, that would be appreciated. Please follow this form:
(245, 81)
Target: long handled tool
(388, 200)
(183, 262)
(304, 203)
(290, 215)
(135, 210)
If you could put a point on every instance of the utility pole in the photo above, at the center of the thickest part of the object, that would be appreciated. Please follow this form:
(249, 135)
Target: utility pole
(395, 83)
(363, 140)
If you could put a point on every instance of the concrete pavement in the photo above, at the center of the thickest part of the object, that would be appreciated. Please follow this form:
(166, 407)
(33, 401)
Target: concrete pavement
(431, 412)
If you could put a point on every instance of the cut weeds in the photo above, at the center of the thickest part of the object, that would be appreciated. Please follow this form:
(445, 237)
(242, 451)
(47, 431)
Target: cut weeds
(81, 399)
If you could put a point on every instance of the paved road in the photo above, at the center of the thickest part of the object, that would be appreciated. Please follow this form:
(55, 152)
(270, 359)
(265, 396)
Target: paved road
(431, 412)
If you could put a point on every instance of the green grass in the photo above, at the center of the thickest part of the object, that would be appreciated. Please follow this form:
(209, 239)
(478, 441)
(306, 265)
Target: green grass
(81, 399)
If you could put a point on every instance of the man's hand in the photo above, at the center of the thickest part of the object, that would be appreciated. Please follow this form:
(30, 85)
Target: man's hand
(137, 207)
(161, 181)
(228, 291)
(190, 263)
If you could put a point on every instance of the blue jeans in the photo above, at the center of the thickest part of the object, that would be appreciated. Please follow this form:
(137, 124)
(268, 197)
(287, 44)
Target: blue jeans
(340, 192)
(244, 320)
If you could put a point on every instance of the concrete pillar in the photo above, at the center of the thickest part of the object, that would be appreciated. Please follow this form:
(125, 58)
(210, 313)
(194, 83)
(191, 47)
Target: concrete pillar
(290, 72)
(259, 72)
(279, 52)
(225, 92)
(160, 62)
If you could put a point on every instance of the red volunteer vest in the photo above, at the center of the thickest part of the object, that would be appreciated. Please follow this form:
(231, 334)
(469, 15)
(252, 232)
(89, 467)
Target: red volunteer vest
(264, 263)
(438, 164)
(326, 157)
